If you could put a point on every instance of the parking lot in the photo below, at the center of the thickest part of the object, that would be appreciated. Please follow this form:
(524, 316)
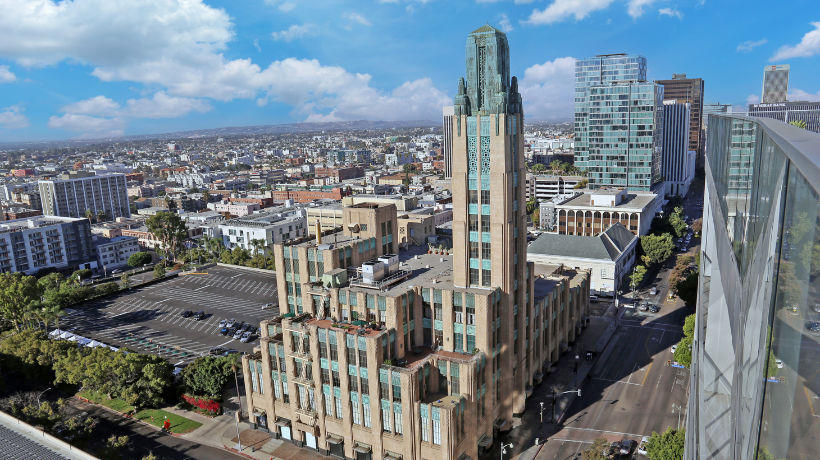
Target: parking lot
(150, 319)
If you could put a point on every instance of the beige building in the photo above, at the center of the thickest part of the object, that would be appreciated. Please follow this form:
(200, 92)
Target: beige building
(413, 355)
(593, 212)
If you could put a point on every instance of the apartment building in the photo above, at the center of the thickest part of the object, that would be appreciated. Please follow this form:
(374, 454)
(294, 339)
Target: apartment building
(114, 252)
(32, 244)
(77, 192)
(258, 232)
(386, 356)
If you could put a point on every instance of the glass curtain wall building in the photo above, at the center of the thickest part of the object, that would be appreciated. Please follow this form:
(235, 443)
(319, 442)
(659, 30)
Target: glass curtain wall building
(755, 381)
(600, 69)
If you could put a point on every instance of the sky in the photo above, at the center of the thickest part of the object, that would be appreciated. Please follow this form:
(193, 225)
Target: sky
(102, 68)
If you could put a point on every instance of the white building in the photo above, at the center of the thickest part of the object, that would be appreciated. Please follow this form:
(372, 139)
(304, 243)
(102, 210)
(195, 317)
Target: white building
(675, 165)
(81, 191)
(269, 228)
(114, 252)
(609, 256)
(32, 244)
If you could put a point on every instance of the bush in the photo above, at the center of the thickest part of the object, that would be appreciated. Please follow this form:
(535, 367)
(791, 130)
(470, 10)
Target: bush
(139, 259)
(159, 271)
(83, 274)
(107, 288)
(206, 404)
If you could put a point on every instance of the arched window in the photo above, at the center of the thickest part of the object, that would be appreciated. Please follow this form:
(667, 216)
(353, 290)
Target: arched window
(571, 214)
(606, 215)
(634, 217)
(588, 215)
(597, 215)
(562, 213)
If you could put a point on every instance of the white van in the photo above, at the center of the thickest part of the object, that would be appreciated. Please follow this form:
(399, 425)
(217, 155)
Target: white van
(593, 298)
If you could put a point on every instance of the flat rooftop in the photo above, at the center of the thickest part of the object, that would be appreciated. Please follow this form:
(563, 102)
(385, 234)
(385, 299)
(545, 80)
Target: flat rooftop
(632, 201)
(335, 240)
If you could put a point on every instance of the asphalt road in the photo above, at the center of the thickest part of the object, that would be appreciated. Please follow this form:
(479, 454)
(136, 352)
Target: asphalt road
(148, 319)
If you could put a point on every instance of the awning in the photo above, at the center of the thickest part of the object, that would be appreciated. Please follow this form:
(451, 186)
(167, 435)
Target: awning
(485, 441)
(333, 439)
(55, 332)
(259, 414)
(363, 448)
(391, 457)
(538, 376)
(282, 422)
(500, 423)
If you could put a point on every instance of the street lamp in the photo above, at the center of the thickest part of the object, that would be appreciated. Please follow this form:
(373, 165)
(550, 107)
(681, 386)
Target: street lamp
(504, 449)
(679, 409)
(41, 394)
(555, 395)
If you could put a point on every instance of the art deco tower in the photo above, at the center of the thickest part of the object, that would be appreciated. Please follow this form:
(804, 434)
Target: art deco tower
(489, 230)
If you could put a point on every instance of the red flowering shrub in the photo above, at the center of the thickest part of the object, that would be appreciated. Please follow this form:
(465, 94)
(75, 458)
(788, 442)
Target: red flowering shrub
(208, 405)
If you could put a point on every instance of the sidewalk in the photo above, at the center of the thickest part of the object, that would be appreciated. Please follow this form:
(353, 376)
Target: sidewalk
(259, 445)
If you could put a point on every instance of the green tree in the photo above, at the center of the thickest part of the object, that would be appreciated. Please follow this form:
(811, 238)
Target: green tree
(18, 295)
(150, 456)
(689, 325)
(536, 217)
(139, 259)
(102, 216)
(799, 123)
(597, 450)
(208, 375)
(113, 448)
(206, 195)
(107, 288)
(194, 189)
(683, 353)
(697, 225)
(125, 283)
(171, 232)
(80, 274)
(159, 272)
(538, 167)
(555, 165)
(34, 354)
(677, 222)
(636, 278)
(89, 214)
(657, 247)
(581, 184)
(666, 446)
(687, 289)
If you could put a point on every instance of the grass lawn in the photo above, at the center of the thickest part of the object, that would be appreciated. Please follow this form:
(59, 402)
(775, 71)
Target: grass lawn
(179, 424)
(116, 404)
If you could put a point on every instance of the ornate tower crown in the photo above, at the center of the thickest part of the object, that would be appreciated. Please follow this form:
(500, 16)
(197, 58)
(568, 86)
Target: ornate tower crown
(488, 88)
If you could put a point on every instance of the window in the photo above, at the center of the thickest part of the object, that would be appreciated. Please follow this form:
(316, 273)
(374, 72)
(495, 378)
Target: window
(354, 383)
(458, 341)
(485, 223)
(436, 431)
(473, 249)
(363, 227)
(485, 197)
(363, 358)
(459, 317)
(386, 419)
(470, 343)
(328, 405)
(485, 250)
(425, 435)
(470, 316)
(338, 407)
(354, 408)
(396, 389)
(326, 376)
(334, 352)
(336, 381)
(365, 386)
(473, 220)
(473, 196)
(366, 408)
(485, 277)
(351, 356)
(603, 273)
(399, 429)
(473, 277)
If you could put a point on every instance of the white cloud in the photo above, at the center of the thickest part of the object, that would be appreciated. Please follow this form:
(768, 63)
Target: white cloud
(749, 45)
(98, 105)
(800, 95)
(808, 46)
(179, 48)
(753, 99)
(91, 127)
(160, 106)
(670, 12)
(523, 2)
(293, 32)
(11, 118)
(504, 22)
(5, 74)
(256, 45)
(560, 10)
(548, 89)
(355, 18)
(287, 6)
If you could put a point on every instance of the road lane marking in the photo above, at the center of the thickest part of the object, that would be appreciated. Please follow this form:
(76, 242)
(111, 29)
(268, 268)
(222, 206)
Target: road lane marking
(617, 381)
(647, 373)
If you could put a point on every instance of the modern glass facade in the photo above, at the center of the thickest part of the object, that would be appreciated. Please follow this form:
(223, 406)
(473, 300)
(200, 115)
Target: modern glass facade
(625, 133)
(595, 71)
(755, 377)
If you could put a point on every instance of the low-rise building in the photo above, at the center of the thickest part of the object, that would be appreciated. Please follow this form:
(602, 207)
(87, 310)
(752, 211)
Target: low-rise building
(548, 187)
(590, 213)
(259, 232)
(114, 252)
(16, 212)
(233, 208)
(609, 256)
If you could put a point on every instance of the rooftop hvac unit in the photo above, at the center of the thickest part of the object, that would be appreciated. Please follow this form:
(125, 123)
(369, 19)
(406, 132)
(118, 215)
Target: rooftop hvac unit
(391, 263)
(373, 271)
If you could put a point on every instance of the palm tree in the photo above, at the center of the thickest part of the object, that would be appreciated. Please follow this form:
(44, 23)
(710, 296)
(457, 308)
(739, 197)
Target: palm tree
(257, 245)
(799, 123)
(89, 214)
(101, 216)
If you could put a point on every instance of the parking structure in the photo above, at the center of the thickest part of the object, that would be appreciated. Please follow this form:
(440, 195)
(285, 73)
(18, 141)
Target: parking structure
(149, 319)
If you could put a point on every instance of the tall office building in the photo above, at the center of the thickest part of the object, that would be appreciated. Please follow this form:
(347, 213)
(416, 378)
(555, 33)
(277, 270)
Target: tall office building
(775, 83)
(677, 165)
(625, 132)
(80, 191)
(388, 356)
(447, 142)
(688, 90)
(595, 71)
(754, 384)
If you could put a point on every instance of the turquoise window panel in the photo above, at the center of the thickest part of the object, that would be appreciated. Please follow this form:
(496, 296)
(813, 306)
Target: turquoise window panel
(337, 392)
(334, 366)
(473, 263)
(485, 209)
(485, 126)
(326, 389)
(471, 126)
(439, 325)
(324, 363)
(485, 183)
(458, 328)
(472, 157)
(474, 236)
(351, 369)
(363, 372)
(486, 264)
(473, 208)
(425, 322)
(485, 237)
(472, 184)
(470, 330)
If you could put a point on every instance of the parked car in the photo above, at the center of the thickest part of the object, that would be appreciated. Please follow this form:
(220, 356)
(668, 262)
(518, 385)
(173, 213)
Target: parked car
(813, 326)
(653, 291)
(626, 446)
(231, 322)
(642, 446)
(246, 337)
(779, 363)
(253, 329)
(187, 313)
(643, 306)
(199, 315)
(238, 334)
(114, 272)
(216, 351)
(655, 308)
(230, 332)
(268, 306)
(245, 327)
(674, 347)
(224, 331)
(223, 323)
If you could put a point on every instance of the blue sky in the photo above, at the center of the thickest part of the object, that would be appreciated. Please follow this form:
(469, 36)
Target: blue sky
(99, 68)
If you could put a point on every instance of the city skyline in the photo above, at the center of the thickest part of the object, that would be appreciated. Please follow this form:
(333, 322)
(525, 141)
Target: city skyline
(207, 65)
